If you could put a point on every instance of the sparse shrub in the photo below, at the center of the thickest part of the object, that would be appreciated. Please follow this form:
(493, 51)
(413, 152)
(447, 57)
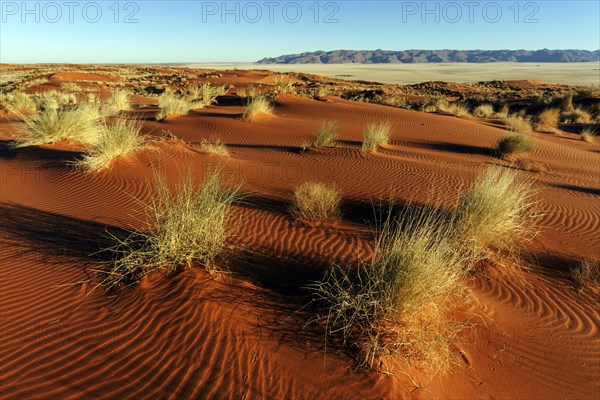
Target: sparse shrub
(393, 100)
(498, 212)
(517, 124)
(588, 135)
(251, 91)
(316, 201)
(548, 120)
(117, 140)
(375, 134)
(457, 109)
(18, 101)
(118, 102)
(284, 86)
(435, 104)
(587, 272)
(326, 134)
(185, 226)
(397, 300)
(259, 106)
(206, 93)
(503, 113)
(50, 126)
(484, 111)
(214, 147)
(171, 104)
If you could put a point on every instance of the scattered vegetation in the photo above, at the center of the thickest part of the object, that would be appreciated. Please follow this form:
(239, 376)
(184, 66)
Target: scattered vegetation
(17, 101)
(206, 93)
(576, 115)
(119, 101)
(375, 134)
(514, 143)
(316, 201)
(326, 134)
(185, 226)
(259, 106)
(497, 213)
(117, 140)
(528, 165)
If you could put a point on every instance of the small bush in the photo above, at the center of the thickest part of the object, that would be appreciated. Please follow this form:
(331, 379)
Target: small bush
(548, 120)
(117, 140)
(185, 226)
(171, 104)
(397, 300)
(375, 134)
(50, 126)
(514, 143)
(214, 147)
(587, 272)
(315, 201)
(484, 111)
(517, 124)
(457, 109)
(326, 134)
(257, 107)
(588, 135)
(118, 102)
(206, 93)
(497, 212)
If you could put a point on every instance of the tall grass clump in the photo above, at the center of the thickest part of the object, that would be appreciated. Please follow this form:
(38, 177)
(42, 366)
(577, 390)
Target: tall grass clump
(375, 134)
(18, 101)
(119, 101)
(316, 201)
(576, 115)
(117, 140)
(257, 107)
(171, 104)
(518, 124)
(497, 213)
(50, 126)
(484, 111)
(548, 120)
(186, 225)
(397, 300)
(514, 143)
(206, 93)
(326, 134)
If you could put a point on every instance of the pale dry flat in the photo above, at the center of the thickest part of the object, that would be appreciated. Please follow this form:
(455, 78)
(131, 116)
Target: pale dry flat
(559, 73)
(244, 334)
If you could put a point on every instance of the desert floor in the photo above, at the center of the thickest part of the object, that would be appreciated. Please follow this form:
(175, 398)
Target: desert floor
(565, 73)
(244, 334)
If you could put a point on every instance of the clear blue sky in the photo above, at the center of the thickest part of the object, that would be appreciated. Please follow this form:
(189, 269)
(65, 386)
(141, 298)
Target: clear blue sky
(207, 31)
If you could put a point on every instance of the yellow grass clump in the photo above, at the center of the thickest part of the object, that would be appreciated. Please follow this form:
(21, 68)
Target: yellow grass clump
(517, 124)
(375, 134)
(326, 134)
(588, 135)
(214, 147)
(316, 201)
(514, 143)
(171, 104)
(548, 120)
(259, 106)
(484, 111)
(587, 272)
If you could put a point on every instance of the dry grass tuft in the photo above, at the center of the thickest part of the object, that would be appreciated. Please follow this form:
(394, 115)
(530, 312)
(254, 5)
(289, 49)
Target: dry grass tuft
(548, 120)
(118, 102)
(171, 104)
(375, 134)
(326, 134)
(528, 165)
(185, 226)
(588, 135)
(577, 116)
(484, 111)
(497, 213)
(518, 124)
(50, 126)
(514, 143)
(214, 147)
(259, 106)
(117, 140)
(315, 201)
(397, 301)
(587, 272)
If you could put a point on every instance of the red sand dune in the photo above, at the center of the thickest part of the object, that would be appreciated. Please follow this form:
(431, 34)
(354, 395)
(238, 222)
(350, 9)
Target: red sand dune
(243, 335)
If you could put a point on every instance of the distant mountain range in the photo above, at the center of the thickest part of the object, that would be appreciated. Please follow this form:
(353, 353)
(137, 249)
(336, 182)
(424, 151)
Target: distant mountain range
(433, 56)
